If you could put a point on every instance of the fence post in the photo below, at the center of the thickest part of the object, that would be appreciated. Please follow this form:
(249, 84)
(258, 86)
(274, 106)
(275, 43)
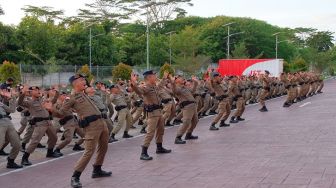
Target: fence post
(75, 69)
(97, 78)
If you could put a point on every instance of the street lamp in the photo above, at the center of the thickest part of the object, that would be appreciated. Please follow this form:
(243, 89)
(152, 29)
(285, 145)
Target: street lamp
(90, 44)
(276, 43)
(147, 30)
(170, 46)
(228, 39)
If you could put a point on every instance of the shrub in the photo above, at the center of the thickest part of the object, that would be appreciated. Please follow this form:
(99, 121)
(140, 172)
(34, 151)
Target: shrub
(166, 68)
(85, 70)
(122, 71)
(10, 69)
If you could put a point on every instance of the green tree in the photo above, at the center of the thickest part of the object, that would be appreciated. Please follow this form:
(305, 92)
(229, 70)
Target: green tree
(44, 14)
(187, 43)
(322, 41)
(1, 11)
(240, 51)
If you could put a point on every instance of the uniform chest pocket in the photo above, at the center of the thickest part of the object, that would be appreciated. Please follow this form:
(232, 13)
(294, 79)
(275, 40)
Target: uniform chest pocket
(37, 107)
(80, 100)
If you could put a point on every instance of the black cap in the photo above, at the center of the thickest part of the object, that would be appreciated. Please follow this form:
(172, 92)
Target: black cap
(147, 73)
(267, 72)
(75, 77)
(113, 86)
(33, 88)
(215, 74)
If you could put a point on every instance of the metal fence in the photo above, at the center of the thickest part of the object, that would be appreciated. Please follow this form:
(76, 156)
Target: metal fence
(47, 75)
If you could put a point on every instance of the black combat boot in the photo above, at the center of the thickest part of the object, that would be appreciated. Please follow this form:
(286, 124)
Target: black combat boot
(63, 137)
(12, 165)
(168, 124)
(286, 105)
(178, 140)
(23, 147)
(99, 173)
(144, 155)
(126, 135)
(212, 112)
(39, 145)
(177, 121)
(223, 124)
(75, 182)
(3, 153)
(74, 136)
(112, 138)
(25, 161)
(213, 127)
(233, 120)
(143, 130)
(58, 152)
(189, 136)
(240, 119)
(52, 154)
(77, 147)
(263, 109)
(140, 122)
(161, 150)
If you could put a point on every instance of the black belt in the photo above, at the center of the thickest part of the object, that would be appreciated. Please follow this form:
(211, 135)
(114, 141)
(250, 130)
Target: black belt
(5, 116)
(89, 119)
(165, 101)
(64, 120)
(138, 103)
(118, 108)
(153, 107)
(267, 88)
(35, 120)
(186, 103)
(222, 97)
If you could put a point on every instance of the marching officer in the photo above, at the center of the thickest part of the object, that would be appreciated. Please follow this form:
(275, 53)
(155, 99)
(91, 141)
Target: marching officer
(95, 129)
(153, 109)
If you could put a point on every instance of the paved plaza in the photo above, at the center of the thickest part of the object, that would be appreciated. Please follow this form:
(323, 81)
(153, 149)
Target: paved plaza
(284, 148)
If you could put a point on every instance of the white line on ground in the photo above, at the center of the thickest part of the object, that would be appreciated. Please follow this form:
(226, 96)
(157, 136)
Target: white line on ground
(305, 104)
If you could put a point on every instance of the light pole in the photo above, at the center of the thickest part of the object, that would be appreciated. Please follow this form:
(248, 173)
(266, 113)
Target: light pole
(228, 39)
(90, 47)
(276, 44)
(147, 29)
(170, 46)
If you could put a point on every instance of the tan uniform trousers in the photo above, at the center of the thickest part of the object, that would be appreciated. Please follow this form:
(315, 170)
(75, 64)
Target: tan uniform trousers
(224, 110)
(167, 111)
(155, 124)
(8, 132)
(240, 104)
(206, 104)
(69, 130)
(214, 105)
(96, 137)
(137, 113)
(28, 134)
(263, 96)
(39, 131)
(124, 120)
(190, 119)
(23, 123)
(248, 95)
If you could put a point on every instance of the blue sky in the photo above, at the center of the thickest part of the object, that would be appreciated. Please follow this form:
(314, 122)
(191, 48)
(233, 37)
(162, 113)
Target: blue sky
(319, 14)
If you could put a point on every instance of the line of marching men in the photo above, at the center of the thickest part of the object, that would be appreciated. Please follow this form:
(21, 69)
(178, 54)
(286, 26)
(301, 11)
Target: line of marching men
(152, 104)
